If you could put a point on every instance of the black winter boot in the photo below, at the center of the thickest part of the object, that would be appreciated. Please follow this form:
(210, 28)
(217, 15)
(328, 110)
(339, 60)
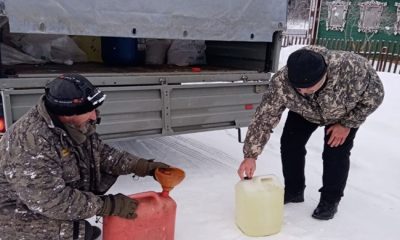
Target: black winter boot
(96, 232)
(92, 232)
(325, 210)
(293, 197)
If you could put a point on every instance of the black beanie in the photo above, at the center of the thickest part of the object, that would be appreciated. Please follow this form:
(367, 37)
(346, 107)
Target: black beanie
(72, 94)
(305, 68)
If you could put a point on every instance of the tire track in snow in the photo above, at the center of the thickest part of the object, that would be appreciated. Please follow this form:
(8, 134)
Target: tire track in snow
(195, 152)
(180, 151)
(212, 152)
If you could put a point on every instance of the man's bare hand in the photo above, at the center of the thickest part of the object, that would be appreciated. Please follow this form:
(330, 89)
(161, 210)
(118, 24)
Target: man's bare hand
(338, 134)
(247, 168)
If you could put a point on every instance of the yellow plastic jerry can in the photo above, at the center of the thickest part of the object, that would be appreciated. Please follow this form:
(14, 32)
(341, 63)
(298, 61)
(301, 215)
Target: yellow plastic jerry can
(259, 205)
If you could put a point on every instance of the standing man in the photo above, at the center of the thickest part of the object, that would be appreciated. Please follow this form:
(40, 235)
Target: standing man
(54, 169)
(332, 89)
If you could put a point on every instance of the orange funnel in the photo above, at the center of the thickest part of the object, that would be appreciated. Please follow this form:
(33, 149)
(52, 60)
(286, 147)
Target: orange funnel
(169, 178)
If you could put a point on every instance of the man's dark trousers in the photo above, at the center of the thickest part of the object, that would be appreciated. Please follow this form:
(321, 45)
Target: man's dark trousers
(336, 160)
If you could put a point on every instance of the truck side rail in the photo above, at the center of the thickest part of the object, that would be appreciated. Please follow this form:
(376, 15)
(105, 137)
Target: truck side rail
(151, 105)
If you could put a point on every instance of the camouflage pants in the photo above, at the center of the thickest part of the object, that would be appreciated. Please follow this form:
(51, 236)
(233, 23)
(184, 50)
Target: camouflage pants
(41, 228)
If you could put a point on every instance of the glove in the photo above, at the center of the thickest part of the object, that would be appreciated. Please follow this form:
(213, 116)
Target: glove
(147, 167)
(119, 205)
(153, 166)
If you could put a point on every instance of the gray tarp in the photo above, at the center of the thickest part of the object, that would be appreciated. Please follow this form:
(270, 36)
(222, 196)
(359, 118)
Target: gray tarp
(230, 20)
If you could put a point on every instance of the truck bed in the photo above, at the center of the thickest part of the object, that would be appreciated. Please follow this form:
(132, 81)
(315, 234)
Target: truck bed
(242, 39)
(222, 57)
(162, 99)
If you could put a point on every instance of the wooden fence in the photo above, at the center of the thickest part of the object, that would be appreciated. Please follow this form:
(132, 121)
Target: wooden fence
(289, 40)
(383, 55)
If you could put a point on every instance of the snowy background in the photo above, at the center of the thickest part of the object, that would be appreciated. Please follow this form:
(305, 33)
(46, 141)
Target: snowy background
(370, 208)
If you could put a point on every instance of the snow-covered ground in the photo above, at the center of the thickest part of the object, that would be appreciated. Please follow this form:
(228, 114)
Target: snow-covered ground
(369, 210)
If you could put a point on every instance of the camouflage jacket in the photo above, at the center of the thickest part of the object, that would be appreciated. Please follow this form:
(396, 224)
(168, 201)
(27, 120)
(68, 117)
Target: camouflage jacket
(43, 172)
(353, 90)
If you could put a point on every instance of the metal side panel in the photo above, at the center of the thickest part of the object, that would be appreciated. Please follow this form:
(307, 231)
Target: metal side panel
(214, 106)
(127, 111)
(223, 20)
(131, 111)
(134, 111)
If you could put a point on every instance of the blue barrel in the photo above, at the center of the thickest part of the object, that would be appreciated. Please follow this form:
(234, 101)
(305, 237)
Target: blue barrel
(119, 51)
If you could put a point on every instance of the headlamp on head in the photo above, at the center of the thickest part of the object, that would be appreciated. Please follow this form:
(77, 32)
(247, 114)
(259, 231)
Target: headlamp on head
(72, 94)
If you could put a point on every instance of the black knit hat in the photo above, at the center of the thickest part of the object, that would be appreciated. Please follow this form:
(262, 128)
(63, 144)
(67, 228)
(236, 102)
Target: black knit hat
(72, 94)
(305, 68)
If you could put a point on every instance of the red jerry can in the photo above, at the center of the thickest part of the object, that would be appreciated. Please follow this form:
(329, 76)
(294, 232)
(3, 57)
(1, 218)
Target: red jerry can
(156, 213)
(155, 221)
